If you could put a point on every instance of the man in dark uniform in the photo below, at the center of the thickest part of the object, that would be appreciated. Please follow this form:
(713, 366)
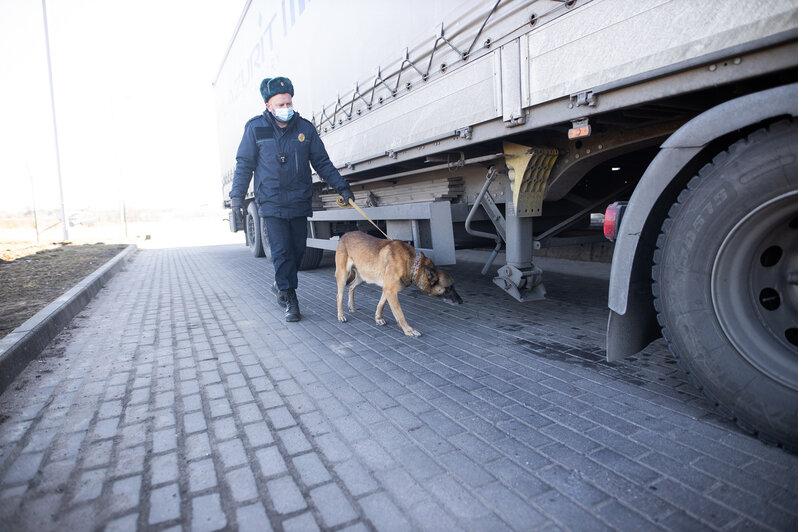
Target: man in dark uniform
(278, 146)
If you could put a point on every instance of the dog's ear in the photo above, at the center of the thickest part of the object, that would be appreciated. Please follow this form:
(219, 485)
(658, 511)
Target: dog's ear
(432, 276)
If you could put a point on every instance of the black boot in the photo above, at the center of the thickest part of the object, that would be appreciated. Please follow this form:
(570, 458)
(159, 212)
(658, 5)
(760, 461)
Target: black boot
(291, 306)
(281, 300)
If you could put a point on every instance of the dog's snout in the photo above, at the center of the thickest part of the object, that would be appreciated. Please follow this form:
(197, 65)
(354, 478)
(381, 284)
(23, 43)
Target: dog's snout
(451, 296)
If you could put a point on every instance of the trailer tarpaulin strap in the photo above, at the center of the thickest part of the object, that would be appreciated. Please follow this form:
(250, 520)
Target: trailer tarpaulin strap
(342, 203)
(342, 111)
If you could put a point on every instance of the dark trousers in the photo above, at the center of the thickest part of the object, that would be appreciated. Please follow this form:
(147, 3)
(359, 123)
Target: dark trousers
(287, 241)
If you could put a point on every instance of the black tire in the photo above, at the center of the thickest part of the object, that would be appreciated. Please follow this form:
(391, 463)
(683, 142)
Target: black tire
(311, 259)
(725, 284)
(253, 229)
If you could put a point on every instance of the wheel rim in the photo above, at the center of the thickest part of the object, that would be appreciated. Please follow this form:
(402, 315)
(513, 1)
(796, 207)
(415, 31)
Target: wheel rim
(251, 230)
(755, 288)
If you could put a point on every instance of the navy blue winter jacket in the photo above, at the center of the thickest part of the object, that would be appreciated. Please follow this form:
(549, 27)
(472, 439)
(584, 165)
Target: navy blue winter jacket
(279, 158)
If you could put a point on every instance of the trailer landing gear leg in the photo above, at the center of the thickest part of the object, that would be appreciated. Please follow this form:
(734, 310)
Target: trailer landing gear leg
(528, 171)
(523, 285)
(520, 277)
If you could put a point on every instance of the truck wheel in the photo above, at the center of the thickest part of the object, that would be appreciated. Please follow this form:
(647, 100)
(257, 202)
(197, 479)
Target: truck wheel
(726, 282)
(311, 259)
(253, 227)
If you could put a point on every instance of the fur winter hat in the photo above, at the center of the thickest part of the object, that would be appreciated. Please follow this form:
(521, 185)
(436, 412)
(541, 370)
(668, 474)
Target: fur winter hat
(271, 86)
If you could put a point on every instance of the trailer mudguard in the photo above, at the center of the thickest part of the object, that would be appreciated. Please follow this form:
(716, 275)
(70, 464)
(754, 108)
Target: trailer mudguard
(632, 321)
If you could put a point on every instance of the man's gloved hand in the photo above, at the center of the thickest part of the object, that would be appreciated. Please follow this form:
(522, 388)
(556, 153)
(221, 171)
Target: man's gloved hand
(347, 195)
(239, 214)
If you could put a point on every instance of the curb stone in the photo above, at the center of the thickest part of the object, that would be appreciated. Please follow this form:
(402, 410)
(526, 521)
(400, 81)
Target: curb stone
(24, 343)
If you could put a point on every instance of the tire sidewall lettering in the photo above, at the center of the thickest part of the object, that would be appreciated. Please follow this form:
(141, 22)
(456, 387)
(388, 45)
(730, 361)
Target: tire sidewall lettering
(751, 173)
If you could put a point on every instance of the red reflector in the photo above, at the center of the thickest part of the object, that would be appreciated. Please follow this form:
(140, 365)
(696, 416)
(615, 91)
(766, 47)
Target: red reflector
(612, 219)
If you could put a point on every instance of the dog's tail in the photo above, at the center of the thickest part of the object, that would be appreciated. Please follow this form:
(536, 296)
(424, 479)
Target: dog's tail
(351, 277)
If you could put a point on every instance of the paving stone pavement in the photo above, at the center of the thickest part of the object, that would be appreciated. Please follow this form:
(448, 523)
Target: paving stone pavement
(179, 399)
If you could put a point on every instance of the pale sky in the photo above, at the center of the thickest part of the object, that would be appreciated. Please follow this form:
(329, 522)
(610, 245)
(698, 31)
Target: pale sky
(133, 97)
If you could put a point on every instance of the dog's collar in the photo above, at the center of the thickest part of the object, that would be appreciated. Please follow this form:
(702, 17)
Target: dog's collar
(414, 269)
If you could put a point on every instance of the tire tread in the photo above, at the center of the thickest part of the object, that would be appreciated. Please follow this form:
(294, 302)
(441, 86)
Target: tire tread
(693, 184)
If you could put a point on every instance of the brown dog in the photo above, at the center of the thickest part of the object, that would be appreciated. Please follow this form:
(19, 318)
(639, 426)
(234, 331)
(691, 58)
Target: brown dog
(394, 266)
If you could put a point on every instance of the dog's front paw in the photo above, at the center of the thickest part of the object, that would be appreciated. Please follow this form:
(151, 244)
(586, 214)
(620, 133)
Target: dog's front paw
(412, 332)
(352, 307)
(379, 321)
(341, 318)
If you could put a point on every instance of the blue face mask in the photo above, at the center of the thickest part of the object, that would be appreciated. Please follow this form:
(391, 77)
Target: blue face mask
(284, 114)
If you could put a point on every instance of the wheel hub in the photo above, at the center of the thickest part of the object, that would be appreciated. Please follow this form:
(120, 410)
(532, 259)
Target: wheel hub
(755, 288)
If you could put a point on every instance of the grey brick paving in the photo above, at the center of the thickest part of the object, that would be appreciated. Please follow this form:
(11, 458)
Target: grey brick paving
(180, 400)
